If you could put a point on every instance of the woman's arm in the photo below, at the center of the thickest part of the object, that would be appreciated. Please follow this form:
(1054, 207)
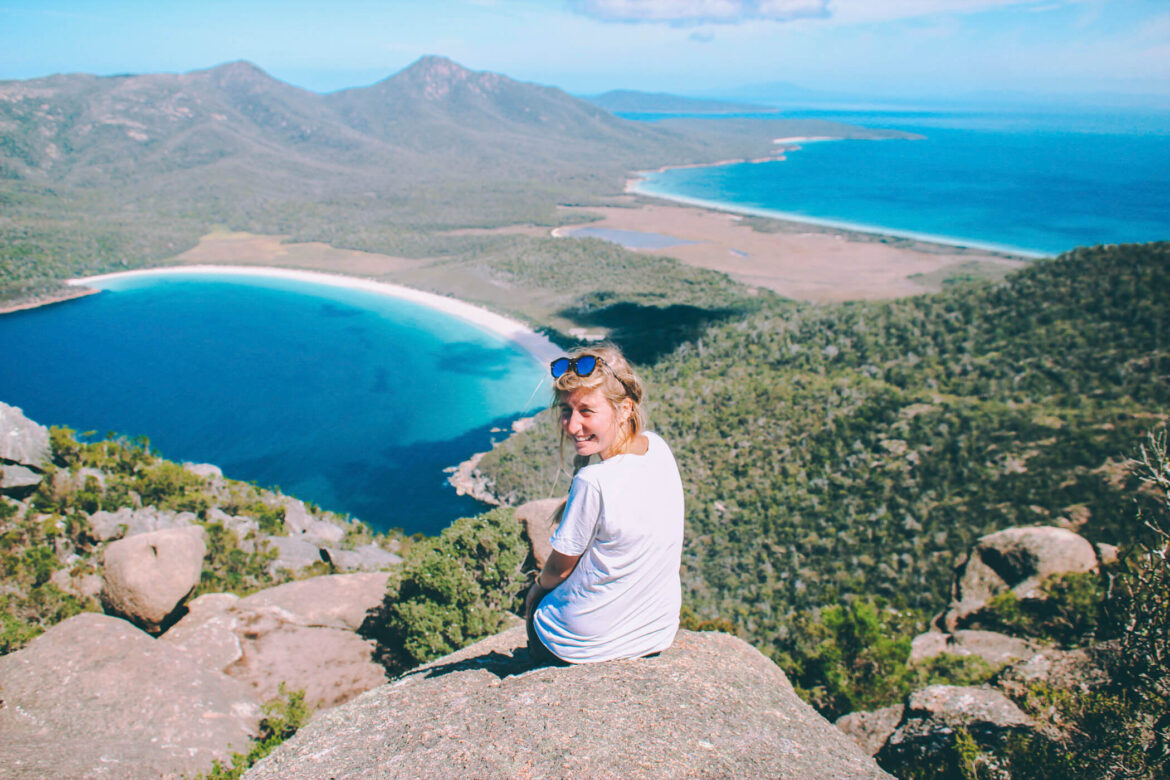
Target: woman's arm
(556, 569)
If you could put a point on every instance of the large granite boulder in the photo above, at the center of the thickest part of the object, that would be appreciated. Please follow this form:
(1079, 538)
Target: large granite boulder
(300, 633)
(1016, 559)
(147, 576)
(710, 706)
(540, 519)
(24, 452)
(933, 714)
(96, 697)
(22, 441)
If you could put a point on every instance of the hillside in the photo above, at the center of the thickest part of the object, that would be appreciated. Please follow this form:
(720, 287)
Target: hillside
(856, 450)
(101, 173)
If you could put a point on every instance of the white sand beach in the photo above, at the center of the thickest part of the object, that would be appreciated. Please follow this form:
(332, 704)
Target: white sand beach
(517, 332)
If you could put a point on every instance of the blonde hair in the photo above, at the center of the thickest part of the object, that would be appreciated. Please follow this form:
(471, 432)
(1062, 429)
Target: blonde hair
(617, 381)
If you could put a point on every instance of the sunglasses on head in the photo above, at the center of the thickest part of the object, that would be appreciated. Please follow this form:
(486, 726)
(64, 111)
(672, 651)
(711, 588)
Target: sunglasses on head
(583, 365)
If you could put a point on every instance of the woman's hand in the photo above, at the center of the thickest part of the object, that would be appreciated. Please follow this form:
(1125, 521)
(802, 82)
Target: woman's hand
(535, 594)
(556, 569)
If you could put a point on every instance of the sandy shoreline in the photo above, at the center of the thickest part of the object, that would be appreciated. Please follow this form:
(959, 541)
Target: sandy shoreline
(512, 330)
(798, 261)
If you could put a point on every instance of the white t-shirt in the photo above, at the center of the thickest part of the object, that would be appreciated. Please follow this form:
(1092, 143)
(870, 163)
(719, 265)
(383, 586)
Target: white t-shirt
(624, 517)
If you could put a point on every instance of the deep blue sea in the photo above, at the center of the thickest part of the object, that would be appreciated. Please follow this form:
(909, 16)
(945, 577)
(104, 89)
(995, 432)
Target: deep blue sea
(1039, 183)
(350, 399)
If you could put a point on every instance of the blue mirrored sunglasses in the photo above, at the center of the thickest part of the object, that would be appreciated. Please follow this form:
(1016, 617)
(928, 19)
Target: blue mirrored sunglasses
(583, 365)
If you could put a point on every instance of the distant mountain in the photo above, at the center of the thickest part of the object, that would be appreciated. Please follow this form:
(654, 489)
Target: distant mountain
(435, 118)
(626, 100)
(436, 105)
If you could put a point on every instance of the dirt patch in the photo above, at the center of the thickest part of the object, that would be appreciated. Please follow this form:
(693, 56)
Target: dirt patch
(807, 264)
(252, 249)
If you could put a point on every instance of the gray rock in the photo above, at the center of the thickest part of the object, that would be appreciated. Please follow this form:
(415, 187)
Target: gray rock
(207, 471)
(301, 633)
(85, 586)
(1080, 670)
(368, 557)
(147, 576)
(18, 480)
(301, 524)
(336, 601)
(131, 522)
(95, 697)
(540, 519)
(245, 528)
(870, 730)
(292, 554)
(1018, 559)
(927, 645)
(206, 633)
(993, 647)
(331, 665)
(710, 706)
(22, 441)
(933, 714)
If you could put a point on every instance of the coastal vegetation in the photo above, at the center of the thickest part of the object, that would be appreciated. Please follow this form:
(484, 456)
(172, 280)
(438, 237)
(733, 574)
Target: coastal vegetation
(49, 547)
(838, 459)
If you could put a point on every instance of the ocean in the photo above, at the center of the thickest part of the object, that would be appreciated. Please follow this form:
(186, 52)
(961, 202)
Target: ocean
(352, 400)
(1028, 182)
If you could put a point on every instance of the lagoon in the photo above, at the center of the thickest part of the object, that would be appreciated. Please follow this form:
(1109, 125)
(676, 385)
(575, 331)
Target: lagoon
(345, 397)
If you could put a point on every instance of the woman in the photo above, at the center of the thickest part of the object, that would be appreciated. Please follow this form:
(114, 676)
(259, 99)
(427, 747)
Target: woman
(610, 588)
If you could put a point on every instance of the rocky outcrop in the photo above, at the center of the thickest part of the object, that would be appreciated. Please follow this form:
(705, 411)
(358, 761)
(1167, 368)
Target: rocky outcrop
(540, 519)
(107, 526)
(993, 647)
(870, 730)
(933, 714)
(710, 706)
(1081, 670)
(22, 441)
(147, 576)
(96, 697)
(1016, 559)
(301, 524)
(24, 452)
(302, 633)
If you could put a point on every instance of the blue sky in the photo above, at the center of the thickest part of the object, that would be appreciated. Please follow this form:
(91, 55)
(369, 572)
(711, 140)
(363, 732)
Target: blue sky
(881, 48)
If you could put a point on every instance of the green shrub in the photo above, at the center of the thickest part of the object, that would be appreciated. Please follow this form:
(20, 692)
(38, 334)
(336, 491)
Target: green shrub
(1069, 616)
(283, 717)
(451, 590)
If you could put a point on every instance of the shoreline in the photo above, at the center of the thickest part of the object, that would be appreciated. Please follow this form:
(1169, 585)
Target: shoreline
(633, 187)
(514, 331)
(62, 296)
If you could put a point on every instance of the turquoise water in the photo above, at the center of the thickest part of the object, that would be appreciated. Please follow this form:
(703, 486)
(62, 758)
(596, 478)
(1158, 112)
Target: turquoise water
(350, 399)
(1035, 183)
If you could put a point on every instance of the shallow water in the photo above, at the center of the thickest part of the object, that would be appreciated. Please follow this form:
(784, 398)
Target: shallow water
(350, 399)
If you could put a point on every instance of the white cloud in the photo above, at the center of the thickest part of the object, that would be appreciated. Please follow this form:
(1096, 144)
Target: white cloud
(863, 11)
(687, 12)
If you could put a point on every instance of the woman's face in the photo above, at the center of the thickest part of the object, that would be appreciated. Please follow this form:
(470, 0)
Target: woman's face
(591, 422)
